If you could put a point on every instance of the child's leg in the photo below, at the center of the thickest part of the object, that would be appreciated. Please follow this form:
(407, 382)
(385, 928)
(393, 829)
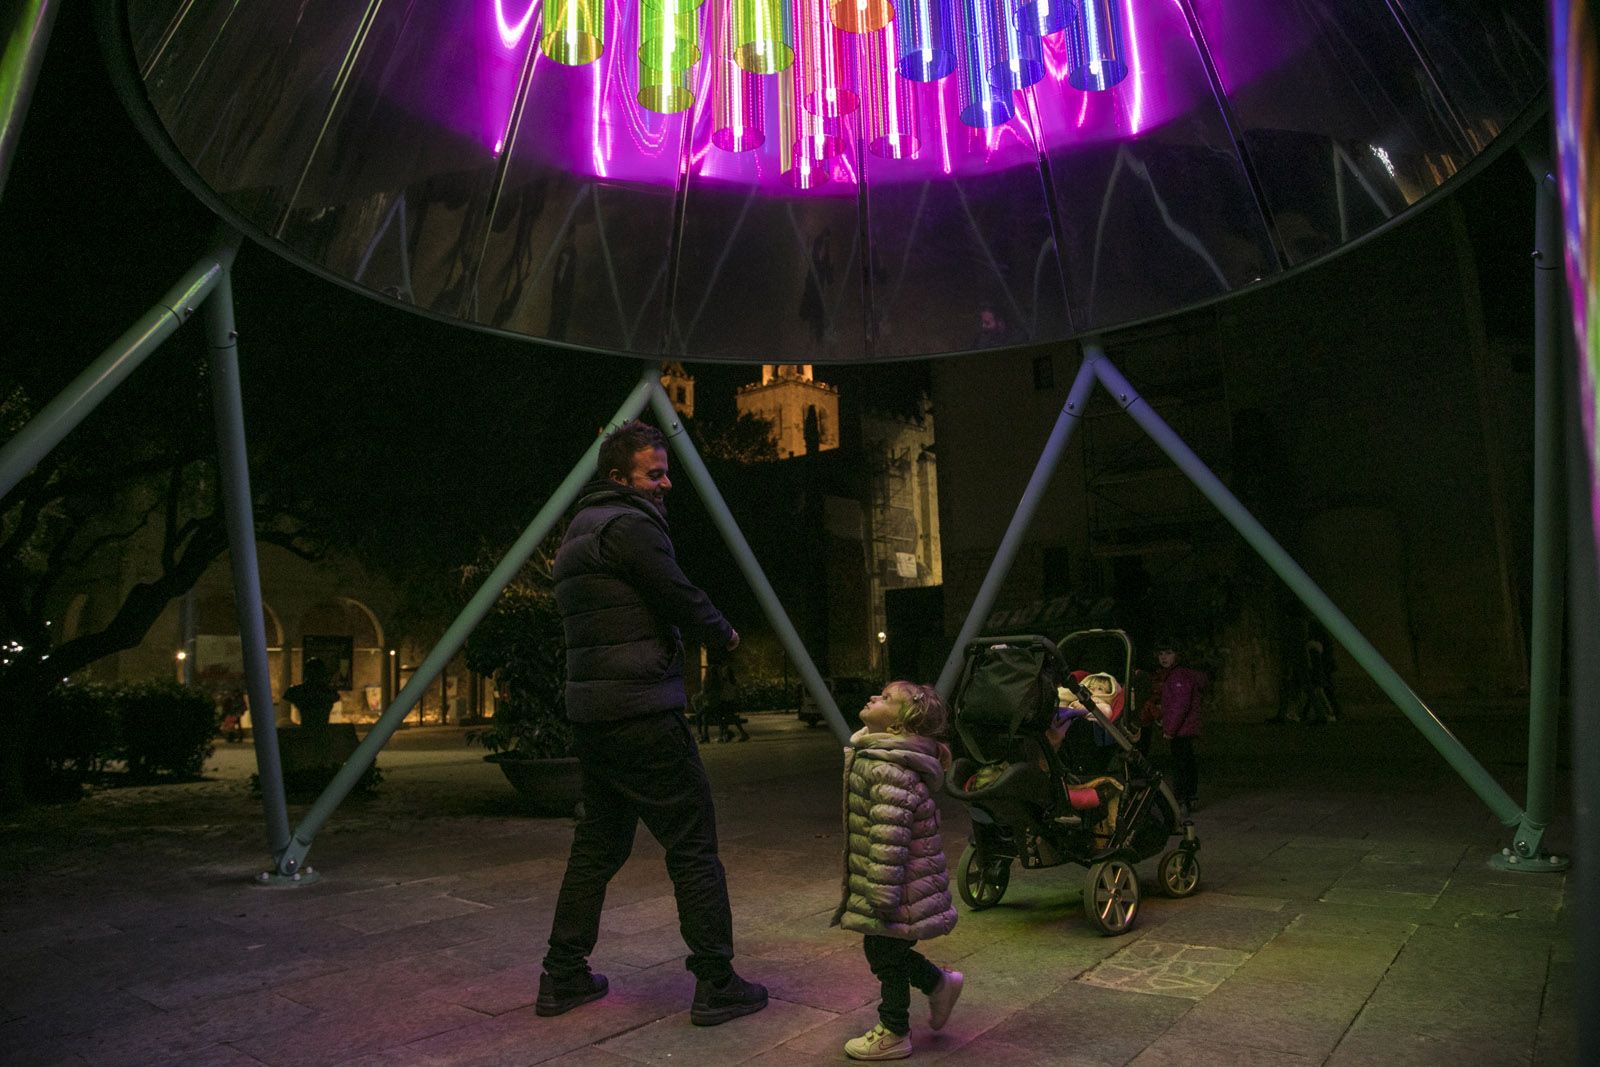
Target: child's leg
(923, 975)
(1185, 774)
(890, 960)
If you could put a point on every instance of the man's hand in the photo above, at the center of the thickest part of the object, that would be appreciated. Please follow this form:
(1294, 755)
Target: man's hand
(733, 642)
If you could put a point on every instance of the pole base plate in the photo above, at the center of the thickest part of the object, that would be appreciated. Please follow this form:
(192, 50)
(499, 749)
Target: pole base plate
(1540, 864)
(274, 880)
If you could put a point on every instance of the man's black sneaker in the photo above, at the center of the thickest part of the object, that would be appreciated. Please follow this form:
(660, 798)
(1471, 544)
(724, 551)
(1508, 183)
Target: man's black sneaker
(716, 1003)
(564, 994)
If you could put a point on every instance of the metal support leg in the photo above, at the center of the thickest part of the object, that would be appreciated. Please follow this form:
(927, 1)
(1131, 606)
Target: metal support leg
(1049, 459)
(59, 417)
(701, 479)
(1549, 543)
(293, 858)
(1583, 606)
(234, 469)
(19, 69)
(1341, 628)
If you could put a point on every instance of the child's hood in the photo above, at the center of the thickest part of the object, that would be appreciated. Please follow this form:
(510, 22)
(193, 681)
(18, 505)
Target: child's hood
(927, 757)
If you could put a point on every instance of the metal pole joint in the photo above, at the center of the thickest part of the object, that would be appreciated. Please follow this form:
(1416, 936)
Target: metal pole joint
(289, 867)
(1526, 854)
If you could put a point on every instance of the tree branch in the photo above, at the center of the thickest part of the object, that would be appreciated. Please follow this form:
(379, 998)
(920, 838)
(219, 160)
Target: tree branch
(102, 541)
(292, 542)
(169, 546)
(144, 603)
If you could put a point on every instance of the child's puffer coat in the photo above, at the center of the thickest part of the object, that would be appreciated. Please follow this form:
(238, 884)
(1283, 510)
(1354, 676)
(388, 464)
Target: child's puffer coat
(895, 881)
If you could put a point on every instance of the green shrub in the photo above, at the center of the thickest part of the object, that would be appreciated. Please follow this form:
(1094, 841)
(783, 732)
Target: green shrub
(767, 694)
(71, 741)
(167, 729)
(521, 646)
(303, 785)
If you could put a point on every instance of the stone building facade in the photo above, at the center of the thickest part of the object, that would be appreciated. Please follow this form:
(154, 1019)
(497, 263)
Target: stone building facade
(1367, 412)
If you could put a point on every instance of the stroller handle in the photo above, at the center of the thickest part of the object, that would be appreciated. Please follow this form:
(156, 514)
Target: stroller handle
(979, 644)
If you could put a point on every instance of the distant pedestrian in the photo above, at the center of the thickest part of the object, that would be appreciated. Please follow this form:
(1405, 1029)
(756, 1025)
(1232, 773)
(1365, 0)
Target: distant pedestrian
(1180, 691)
(234, 704)
(1322, 705)
(722, 690)
(1294, 672)
(896, 884)
(1306, 692)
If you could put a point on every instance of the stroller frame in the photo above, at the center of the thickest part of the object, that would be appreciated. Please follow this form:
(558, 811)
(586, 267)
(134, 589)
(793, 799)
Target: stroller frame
(1025, 816)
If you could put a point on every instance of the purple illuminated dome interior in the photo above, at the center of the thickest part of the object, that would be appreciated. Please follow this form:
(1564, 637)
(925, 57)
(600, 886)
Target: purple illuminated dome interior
(800, 180)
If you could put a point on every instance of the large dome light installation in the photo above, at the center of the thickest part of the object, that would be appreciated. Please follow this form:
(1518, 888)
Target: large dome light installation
(822, 180)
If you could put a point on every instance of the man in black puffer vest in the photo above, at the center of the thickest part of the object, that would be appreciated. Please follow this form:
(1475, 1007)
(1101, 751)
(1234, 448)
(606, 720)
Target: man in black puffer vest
(623, 598)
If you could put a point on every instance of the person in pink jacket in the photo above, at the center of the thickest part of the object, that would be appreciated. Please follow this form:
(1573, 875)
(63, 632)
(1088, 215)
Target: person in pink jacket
(1180, 691)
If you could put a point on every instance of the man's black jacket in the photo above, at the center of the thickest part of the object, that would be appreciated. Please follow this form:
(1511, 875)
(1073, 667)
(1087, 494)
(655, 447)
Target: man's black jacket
(623, 599)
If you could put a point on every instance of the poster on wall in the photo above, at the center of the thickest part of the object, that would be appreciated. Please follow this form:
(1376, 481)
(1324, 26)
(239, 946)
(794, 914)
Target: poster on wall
(218, 661)
(336, 651)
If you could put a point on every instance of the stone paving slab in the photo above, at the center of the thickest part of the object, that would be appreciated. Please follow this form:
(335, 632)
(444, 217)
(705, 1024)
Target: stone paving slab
(674, 1039)
(1300, 1018)
(1154, 967)
(1347, 916)
(1090, 1024)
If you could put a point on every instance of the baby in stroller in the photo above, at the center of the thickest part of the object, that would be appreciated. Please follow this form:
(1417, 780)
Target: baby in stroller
(1051, 777)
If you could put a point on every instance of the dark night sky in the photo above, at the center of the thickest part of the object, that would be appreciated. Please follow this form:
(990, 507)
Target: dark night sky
(93, 228)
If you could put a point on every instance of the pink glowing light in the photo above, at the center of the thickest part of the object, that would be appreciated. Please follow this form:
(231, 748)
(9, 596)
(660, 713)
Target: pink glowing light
(511, 34)
(1140, 71)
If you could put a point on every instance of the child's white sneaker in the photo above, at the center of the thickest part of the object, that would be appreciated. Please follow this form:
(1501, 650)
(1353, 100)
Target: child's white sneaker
(943, 998)
(879, 1044)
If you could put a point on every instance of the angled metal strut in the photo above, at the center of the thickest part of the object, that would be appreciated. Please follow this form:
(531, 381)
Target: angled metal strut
(1098, 369)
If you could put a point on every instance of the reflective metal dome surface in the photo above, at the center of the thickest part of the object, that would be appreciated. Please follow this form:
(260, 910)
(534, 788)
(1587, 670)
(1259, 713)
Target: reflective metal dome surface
(620, 176)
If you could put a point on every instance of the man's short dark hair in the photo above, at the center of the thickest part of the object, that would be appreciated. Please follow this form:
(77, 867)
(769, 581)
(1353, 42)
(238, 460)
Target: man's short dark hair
(620, 445)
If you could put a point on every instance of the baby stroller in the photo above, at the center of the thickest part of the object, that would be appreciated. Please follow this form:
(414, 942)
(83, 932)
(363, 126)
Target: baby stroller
(1051, 776)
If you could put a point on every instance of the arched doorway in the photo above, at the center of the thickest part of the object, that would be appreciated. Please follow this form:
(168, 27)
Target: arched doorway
(346, 635)
(219, 653)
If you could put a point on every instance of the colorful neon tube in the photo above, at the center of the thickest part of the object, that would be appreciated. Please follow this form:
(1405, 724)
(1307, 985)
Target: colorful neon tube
(982, 105)
(926, 31)
(862, 16)
(669, 36)
(763, 36)
(1051, 16)
(1019, 61)
(804, 135)
(820, 59)
(737, 100)
(666, 92)
(891, 100)
(574, 31)
(1096, 53)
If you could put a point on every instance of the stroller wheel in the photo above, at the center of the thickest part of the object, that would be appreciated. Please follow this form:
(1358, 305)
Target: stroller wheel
(1111, 896)
(982, 879)
(1180, 872)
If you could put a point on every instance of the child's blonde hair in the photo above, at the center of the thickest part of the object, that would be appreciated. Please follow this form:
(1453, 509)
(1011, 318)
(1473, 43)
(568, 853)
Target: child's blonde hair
(925, 711)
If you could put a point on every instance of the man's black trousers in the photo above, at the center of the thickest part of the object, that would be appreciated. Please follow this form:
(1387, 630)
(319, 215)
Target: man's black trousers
(646, 769)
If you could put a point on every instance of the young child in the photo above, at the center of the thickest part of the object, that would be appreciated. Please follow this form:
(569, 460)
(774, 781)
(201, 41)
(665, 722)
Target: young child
(1179, 692)
(896, 886)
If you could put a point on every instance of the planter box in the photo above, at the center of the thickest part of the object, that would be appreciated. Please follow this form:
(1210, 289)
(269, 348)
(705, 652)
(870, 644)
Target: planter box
(550, 787)
(303, 748)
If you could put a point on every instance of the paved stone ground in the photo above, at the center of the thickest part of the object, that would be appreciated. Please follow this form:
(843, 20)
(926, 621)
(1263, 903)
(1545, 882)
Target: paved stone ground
(1347, 916)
